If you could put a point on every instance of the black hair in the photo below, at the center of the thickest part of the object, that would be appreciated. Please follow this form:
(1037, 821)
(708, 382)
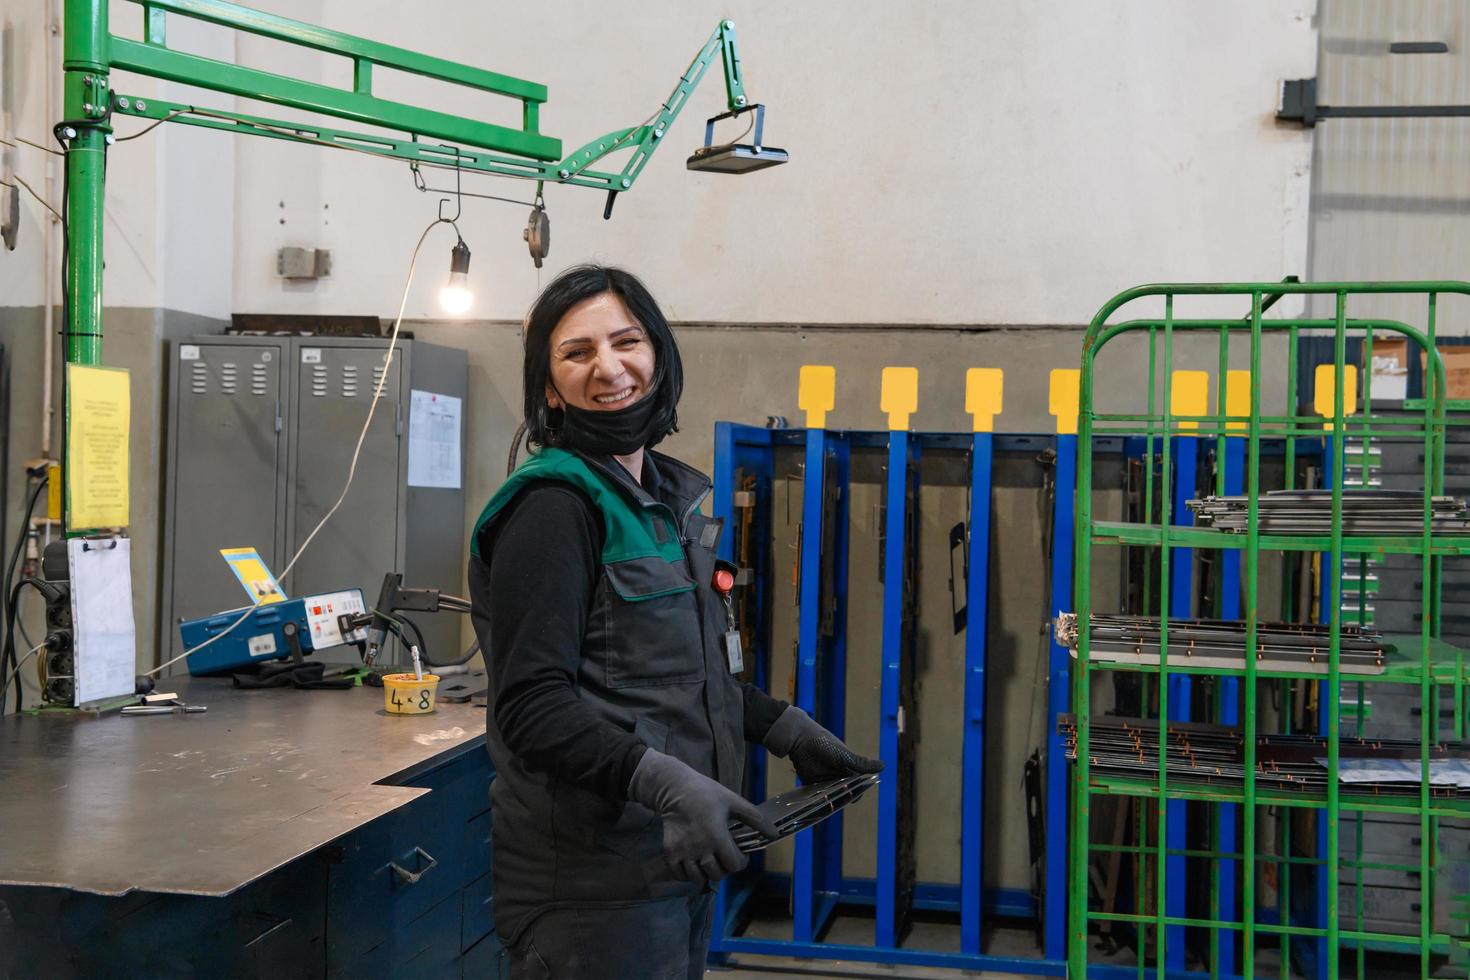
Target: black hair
(541, 424)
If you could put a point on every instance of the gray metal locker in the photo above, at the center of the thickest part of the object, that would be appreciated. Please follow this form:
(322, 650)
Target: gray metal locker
(383, 524)
(226, 483)
(333, 389)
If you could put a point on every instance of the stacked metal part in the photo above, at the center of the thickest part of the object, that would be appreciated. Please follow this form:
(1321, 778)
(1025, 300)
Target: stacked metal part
(802, 807)
(1212, 755)
(1364, 512)
(1220, 644)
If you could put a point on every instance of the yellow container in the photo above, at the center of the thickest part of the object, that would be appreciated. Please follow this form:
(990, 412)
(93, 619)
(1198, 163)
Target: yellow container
(405, 694)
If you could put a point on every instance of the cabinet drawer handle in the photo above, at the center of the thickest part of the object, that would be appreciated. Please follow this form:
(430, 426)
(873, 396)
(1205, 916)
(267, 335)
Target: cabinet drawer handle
(412, 877)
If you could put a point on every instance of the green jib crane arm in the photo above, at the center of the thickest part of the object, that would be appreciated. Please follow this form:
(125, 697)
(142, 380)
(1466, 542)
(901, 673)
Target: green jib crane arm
(429, 137)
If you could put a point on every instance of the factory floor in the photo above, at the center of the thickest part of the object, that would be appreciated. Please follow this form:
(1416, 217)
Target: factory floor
(858, 930)
(944, 936)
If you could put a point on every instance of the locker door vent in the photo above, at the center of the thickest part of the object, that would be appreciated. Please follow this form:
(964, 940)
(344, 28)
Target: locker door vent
(349, 381)
(258, 379)
(227, 377)
(199, 383)
(319, 381)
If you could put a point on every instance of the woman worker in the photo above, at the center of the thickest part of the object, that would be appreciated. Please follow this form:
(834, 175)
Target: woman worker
(615, 722)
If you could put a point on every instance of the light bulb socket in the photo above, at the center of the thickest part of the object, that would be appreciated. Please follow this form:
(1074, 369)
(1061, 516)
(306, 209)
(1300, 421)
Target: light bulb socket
(459, 258)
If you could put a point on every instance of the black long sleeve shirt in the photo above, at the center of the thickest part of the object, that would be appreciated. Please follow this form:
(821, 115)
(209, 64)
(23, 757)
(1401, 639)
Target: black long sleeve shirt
(530, 608)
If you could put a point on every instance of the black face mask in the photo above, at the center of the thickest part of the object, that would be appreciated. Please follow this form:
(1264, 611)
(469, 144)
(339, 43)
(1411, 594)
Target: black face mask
(616, 433)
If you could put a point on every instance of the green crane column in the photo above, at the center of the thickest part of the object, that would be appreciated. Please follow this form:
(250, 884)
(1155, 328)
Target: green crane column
(85, 99)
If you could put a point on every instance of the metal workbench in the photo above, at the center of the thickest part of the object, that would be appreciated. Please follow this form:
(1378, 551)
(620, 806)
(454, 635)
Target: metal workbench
(276, 807)
(205, 804)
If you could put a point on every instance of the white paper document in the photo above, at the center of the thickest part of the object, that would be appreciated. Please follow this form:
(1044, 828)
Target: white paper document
(102, 618)
(433, 440)
(1442, 772)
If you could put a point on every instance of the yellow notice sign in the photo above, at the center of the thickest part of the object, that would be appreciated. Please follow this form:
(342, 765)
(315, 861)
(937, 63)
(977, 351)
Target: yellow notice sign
(97, 417)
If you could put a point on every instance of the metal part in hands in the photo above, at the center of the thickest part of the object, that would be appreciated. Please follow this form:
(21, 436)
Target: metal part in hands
(815, 753)
(696, 812)
(820, 756)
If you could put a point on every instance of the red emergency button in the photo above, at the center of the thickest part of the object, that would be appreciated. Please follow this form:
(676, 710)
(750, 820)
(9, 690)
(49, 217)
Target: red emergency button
(724, 581)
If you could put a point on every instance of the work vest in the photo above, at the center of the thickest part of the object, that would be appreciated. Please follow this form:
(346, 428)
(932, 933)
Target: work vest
(652, 664)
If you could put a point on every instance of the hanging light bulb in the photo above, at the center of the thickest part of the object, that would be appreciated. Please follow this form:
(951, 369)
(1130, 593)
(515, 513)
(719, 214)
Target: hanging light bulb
(456, 297)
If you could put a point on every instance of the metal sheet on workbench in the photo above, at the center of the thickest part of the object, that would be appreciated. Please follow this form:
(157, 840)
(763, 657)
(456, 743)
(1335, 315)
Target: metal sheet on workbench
(205, 804)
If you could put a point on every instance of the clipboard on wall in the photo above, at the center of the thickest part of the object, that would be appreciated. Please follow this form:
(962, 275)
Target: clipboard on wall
(103, 630)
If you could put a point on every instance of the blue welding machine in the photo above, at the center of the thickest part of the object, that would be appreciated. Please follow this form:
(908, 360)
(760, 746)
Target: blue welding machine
(262, 635)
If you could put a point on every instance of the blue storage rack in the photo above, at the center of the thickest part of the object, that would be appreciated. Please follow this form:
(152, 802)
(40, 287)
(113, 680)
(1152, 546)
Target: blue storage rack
(816, 888)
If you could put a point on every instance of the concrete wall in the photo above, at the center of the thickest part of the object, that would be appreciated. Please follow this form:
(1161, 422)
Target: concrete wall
(136, 342)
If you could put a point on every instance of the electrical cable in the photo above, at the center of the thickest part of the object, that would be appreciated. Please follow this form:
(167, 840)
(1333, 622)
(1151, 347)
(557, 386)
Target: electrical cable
(464, 658)
(39, 200)
(20, 624)
(7, 653)
(10, 608)
(424, 647)
(5, 688)
(418, 637)
(748, 127)
(42, 148)
(356, 452)
(155, 124)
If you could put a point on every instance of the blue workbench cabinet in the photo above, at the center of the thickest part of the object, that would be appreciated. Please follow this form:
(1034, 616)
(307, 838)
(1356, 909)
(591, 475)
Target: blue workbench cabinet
(339, 911)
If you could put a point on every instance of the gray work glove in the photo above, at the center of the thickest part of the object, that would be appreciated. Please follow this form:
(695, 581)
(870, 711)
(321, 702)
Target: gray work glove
(696, 813)
(816, 753)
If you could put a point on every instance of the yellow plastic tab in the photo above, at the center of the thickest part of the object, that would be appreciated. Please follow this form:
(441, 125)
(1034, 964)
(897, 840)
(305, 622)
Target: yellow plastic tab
(1237, 398)
(816, 393)
(1322, 398)
(984, 390)
(900, 397)
(53, 491)
(1064, 399)
(1189, 394)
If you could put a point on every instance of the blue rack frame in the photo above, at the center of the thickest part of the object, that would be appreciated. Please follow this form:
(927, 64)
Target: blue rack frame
(1058, 700)
(972, 760)
(821, 671)
(1181, 602)
(894, 886)
(816, 887)
(1229, 814)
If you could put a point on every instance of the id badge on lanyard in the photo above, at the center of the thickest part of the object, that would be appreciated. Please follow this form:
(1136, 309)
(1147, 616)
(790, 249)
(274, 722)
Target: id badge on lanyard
(724, 584)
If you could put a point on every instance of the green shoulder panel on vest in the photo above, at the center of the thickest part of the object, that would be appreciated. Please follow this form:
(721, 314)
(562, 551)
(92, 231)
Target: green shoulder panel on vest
(631, 529)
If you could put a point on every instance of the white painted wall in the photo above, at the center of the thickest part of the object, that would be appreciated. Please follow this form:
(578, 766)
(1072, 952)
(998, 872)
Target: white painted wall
(951, 162)
(22, 272)
(169, 219)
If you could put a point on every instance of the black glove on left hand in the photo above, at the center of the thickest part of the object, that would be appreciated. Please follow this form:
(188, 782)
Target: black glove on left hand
(815, 753)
